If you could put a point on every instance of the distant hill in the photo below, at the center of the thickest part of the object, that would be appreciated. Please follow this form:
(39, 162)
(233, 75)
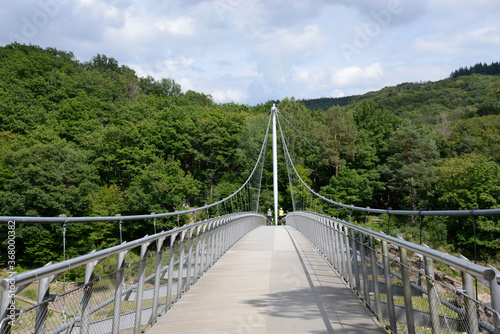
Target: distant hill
(326, 102)
(479, 68)
(398, 98)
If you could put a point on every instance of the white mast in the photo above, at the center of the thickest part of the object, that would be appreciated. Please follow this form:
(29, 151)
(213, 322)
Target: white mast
(274, 110)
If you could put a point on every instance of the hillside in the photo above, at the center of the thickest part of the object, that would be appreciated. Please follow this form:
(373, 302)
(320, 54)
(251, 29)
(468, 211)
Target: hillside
(92, 138)
(458, 97)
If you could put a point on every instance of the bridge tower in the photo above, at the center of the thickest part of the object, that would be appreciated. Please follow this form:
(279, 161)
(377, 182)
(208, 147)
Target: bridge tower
(274, 111)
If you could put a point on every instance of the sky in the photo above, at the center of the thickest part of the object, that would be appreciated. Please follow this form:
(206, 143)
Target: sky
(252, 51)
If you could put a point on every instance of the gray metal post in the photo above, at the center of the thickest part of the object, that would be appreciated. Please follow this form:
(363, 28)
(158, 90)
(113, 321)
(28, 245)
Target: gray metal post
(206, 247)
(388, 283)
(4, 311)
(190, 258)
(203, 248)
(410, 321)
(355, 261)
(140, 288)
(180, 269)
(222, 246)
(214, 234)
(42, 309)
(215, 242)
(374, 267)
(331, 241)
(171, 259)
(343, 251)
(87, 297)
(470, 304)
(156, 291)
(432, 295)
(197, 258)
(348, 257)
(115, 328)
(362, 252)
(495, 300)
(338, 248)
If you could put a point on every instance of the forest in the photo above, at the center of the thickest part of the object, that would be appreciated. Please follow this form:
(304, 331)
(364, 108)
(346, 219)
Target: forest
(92, 138)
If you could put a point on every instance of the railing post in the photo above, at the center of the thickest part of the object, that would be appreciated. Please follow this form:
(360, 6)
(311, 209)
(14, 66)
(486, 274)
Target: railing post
(362, 252)
(410, 321)
(197, 258)
(215, 242)
(190, 258)
(375, 274)
(115, 328)
(329, 240)
(332, 242)
(432, 296)
(140, 288)
(87, 297)
(348, 257)
(343, 252)
(180, 268)
(338, 248)
(42, 309)
(495, 300)
(203, 248)
(355, 261)
(208, 247)
(388, 283)
(470, 304)
(156, 291)
(171, 260)
(5, 308)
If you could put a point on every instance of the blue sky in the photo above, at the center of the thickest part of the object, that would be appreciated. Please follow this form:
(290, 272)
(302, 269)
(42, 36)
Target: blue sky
(251, 51)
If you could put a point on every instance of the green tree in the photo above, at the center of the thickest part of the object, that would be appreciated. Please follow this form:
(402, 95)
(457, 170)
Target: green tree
(108, 201)
(410, 166)
(352, 186)
(465, 182)
(48, 179)
(337, 135)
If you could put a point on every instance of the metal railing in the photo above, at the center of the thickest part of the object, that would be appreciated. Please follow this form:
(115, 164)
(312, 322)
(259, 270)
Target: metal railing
(125, 295)
(399, 280)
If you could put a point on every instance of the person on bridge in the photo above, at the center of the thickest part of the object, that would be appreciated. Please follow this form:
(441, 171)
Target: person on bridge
(281, 217)
(269, 217)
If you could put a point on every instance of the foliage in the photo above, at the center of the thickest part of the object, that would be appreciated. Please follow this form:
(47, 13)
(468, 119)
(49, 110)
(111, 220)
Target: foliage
(479, 68)
(409, 169)
(92, 138)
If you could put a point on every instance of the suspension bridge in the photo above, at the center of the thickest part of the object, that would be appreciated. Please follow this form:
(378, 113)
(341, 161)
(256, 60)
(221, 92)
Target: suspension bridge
(235, 273)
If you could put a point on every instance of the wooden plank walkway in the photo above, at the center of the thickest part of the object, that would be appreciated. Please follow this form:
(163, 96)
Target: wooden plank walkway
(272, 281)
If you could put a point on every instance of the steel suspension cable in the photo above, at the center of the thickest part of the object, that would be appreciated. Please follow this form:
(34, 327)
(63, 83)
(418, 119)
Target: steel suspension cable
(456, 213)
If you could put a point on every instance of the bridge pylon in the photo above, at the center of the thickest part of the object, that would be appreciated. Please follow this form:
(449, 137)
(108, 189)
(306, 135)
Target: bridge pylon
(274, 111)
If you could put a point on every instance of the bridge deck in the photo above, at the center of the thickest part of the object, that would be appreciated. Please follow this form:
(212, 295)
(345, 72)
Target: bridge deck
(272, 281)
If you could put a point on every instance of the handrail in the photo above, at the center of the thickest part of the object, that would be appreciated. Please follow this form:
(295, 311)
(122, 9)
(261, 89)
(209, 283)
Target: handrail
(59, 267)
(458, 263)
(351, 250)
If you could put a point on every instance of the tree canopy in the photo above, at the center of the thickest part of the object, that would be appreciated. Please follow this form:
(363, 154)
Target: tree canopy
(92, 138)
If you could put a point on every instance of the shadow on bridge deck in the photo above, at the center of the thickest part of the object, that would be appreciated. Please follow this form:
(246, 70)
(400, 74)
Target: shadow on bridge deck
(272, 281)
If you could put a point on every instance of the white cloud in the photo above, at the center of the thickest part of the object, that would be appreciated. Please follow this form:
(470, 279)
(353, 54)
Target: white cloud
(228, 95)
(337, 93)
(271, 49)
(182, 26)
(355, 75)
